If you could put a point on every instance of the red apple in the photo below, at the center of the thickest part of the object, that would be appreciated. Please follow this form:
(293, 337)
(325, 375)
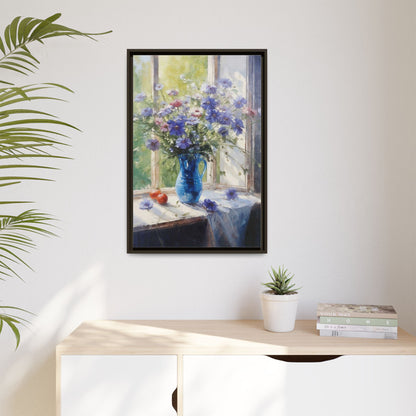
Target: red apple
(155, 194)
(162, 199)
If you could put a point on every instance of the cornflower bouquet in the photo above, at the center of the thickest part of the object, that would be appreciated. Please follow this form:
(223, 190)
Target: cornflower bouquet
(212, 117)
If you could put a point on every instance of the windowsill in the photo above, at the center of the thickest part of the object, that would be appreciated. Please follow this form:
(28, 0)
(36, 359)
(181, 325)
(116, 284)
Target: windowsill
(138, 193)
(234, 223)
(176, 213)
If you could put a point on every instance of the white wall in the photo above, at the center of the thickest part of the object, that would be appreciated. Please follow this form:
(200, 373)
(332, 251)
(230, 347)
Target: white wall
(341, 168)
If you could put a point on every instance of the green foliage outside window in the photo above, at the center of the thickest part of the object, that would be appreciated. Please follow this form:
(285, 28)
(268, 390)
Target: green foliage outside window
(142, 82)
(171, 69)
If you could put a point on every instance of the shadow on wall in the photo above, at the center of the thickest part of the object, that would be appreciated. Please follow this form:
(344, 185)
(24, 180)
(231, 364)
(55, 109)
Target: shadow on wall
(28, 385)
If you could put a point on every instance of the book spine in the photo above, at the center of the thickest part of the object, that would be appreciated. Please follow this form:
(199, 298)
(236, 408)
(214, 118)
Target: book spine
(356, 334)
(336, 320)
(389, 316)
(389, 329)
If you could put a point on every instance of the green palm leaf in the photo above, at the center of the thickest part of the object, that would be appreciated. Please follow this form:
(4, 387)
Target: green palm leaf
(21, 32)
(21, 138)
(12, 320)
(29, 137)
(16, 237)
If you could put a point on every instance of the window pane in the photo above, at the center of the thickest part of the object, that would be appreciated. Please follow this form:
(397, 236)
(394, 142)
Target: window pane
(175, 72)
(179, 73)
(255, 88)
(142, 82)
(232, 161)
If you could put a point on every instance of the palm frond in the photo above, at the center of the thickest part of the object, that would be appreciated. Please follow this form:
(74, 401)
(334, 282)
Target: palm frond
(26, 135)
(16, 237)
(13, 320)
(14, 44)
(20, 136)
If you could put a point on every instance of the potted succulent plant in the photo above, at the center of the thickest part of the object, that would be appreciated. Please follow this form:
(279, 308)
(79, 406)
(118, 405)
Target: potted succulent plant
(280, 301)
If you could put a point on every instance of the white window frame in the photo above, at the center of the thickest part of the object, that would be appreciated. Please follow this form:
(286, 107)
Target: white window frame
(213, 181)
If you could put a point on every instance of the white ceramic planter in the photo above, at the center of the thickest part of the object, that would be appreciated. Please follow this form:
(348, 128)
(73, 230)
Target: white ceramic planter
(279, 311)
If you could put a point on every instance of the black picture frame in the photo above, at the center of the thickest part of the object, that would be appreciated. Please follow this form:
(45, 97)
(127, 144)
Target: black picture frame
(145, 239)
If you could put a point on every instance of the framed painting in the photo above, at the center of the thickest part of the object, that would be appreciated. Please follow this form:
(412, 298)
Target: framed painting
(196, 155)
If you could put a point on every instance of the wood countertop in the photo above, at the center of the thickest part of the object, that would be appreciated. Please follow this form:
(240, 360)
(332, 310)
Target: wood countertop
(206, 337)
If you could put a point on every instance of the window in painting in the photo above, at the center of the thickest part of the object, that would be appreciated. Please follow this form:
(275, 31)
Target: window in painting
(238, 165)
(142, 83)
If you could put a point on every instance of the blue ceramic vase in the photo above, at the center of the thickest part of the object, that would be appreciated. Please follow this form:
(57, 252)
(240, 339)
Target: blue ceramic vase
(189, 182)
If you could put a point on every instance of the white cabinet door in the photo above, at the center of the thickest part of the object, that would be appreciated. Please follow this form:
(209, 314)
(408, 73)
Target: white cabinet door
(233, 386)
(262, 386)
(132, 385)
(353, 385)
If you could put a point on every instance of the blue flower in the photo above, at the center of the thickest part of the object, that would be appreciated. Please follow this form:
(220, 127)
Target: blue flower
(146, 204)
(238, 126)
(192, 121)
(173, 93)
(212, 116)
(140, 97)
(147, 112)
(210, 89)
(210, 206)
(153, 144)
(181, 118)
(165, 111)
(183, 143)
(209, 103)
(176, 127)
(225, 83)
(231, 194)
(240, 102)
(225, 118)
(158, 87)
(223, 131)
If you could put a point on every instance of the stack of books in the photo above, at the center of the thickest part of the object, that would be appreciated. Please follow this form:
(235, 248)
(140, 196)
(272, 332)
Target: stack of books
(357, 321)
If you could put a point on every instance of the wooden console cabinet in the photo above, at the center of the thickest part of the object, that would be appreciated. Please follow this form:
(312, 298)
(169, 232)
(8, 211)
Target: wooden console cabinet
(230, 368)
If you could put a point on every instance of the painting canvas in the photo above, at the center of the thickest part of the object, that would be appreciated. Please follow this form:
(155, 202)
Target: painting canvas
(196, 166)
